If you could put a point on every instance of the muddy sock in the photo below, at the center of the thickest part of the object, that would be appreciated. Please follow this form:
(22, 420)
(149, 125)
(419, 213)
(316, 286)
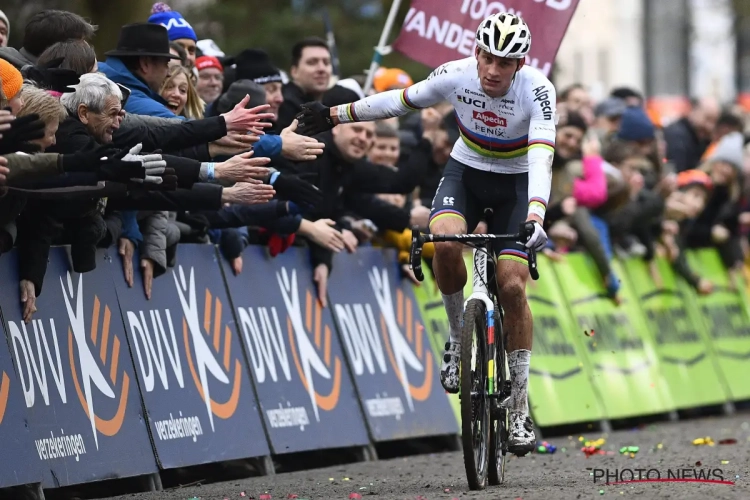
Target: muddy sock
(454, 306)
(518, 363)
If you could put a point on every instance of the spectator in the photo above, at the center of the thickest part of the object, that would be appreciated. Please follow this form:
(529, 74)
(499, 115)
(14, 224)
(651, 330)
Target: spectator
(688, 138)
(181, 97)
(608, 114)
(576, 98)
(178, 29)
(12, 81)
(44, 29)
(177, 50)
(311, 75)
(727, 123)
(210, 78)
(141, 63)
(4, 29)
(632, 98)
(255, 65)
(391, 79)
(50, 111)
(77, 55)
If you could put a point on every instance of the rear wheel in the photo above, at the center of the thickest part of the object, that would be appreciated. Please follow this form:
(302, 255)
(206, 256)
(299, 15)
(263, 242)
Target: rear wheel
(475, 405)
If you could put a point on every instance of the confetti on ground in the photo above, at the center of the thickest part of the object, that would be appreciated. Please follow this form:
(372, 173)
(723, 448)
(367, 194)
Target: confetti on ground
(703, 441)
(264, 496)
(698, 463)
(292, 495)
(632, 450)
(346, 479)
(546, 448)
(355, 496)
(601, 492)
(724, 462)
(596, 444)
(728, 441)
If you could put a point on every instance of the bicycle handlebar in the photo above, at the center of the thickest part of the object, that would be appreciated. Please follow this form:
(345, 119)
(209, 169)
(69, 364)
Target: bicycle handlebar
(418, 239)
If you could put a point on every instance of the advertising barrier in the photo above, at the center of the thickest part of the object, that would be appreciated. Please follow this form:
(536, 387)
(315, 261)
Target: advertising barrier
(686, 360)
(726, 320)
(190, 363)
(306, 394)
(625, 370)
(83, 409)
(437, 329)
(560, 385)
(18, 463)
(388, 350)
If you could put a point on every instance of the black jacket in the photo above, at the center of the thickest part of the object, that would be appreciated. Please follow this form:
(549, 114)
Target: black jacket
(294, 98)
(175, 138)
(684, 147)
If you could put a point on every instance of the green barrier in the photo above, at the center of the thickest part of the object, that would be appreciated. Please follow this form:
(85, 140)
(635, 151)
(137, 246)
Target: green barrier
(686, 359)
(436, 321)
(726, 320)
(560, 387)
(624, 363)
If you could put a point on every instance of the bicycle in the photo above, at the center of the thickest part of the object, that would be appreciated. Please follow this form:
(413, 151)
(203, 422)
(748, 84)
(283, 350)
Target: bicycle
(482, 325)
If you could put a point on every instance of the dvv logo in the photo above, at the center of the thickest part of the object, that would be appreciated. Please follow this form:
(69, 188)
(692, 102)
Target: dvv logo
(210, 360)
(93, 355)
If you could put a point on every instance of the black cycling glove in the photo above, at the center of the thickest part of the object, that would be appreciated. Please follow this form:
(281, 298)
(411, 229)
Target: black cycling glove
(314, 119)
(22, 130)
(51, 77)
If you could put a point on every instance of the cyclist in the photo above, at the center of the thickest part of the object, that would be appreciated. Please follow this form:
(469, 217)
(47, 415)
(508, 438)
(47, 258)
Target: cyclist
(503, 161)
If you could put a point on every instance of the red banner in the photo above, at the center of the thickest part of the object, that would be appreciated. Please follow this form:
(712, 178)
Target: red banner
(438, 31)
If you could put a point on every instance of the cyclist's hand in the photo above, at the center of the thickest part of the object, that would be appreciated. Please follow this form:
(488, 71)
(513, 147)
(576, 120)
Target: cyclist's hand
(314, 119)
(538, 239)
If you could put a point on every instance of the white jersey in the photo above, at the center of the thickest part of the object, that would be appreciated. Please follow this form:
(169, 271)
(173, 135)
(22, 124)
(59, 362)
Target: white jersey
(511, 134)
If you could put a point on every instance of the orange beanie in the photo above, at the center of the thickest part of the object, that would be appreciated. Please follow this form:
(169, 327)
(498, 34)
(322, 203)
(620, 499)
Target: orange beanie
(391, 78)
(11, 79)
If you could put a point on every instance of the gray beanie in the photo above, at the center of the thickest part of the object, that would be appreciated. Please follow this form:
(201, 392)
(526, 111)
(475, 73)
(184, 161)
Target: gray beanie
(730, 149)
(237, 91)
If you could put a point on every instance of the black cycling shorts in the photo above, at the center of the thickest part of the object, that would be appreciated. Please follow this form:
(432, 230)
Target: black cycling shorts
(465, 193)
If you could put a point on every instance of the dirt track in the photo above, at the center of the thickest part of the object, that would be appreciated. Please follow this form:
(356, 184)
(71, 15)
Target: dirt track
(563, 475)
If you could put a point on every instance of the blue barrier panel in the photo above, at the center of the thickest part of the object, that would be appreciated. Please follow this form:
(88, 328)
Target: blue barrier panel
(19, 464)
(305, 392)
(83, 408)
(387, 347)
(190, 364)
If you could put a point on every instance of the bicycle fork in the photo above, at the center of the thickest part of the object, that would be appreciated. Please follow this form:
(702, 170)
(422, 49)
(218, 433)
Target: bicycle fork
(480, 292)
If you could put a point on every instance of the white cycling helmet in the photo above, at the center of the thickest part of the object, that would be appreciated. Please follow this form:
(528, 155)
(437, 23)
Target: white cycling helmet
(504, 35)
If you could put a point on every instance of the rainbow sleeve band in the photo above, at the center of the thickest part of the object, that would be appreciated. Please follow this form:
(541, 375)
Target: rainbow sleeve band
(408, 102)
(542, 144)
(538, 206)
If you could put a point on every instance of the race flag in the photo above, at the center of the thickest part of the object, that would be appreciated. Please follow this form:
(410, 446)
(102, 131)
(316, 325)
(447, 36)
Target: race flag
(438, 31)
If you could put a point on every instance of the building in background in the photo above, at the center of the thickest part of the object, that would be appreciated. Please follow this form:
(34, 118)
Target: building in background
(670, 50)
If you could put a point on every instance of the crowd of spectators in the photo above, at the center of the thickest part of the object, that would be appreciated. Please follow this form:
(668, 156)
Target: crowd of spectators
(169, 140)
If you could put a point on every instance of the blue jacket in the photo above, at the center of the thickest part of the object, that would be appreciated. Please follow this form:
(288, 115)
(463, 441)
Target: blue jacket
(143, 100)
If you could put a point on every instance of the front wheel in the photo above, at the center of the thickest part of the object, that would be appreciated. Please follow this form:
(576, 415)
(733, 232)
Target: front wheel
(475, 405)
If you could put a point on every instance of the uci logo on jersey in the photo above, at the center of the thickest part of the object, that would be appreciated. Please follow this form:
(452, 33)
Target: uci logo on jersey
(477, 103)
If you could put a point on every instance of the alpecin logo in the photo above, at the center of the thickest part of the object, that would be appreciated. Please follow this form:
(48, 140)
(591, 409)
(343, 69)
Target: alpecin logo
(405, 352)
(211, 341)
(490, 119)
(305, 352)
(92, 371)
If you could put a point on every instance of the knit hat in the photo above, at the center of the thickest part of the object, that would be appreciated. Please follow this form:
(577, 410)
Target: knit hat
(204, 62)
(237, 91)
(256, 65)
(636, 126)
(387, 78)
(4, 19)
(176, 25)
(730, 149)
(688, 178)
(11, 79)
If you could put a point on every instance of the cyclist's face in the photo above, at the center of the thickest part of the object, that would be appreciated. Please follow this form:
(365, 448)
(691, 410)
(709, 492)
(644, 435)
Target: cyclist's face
(496, 73)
